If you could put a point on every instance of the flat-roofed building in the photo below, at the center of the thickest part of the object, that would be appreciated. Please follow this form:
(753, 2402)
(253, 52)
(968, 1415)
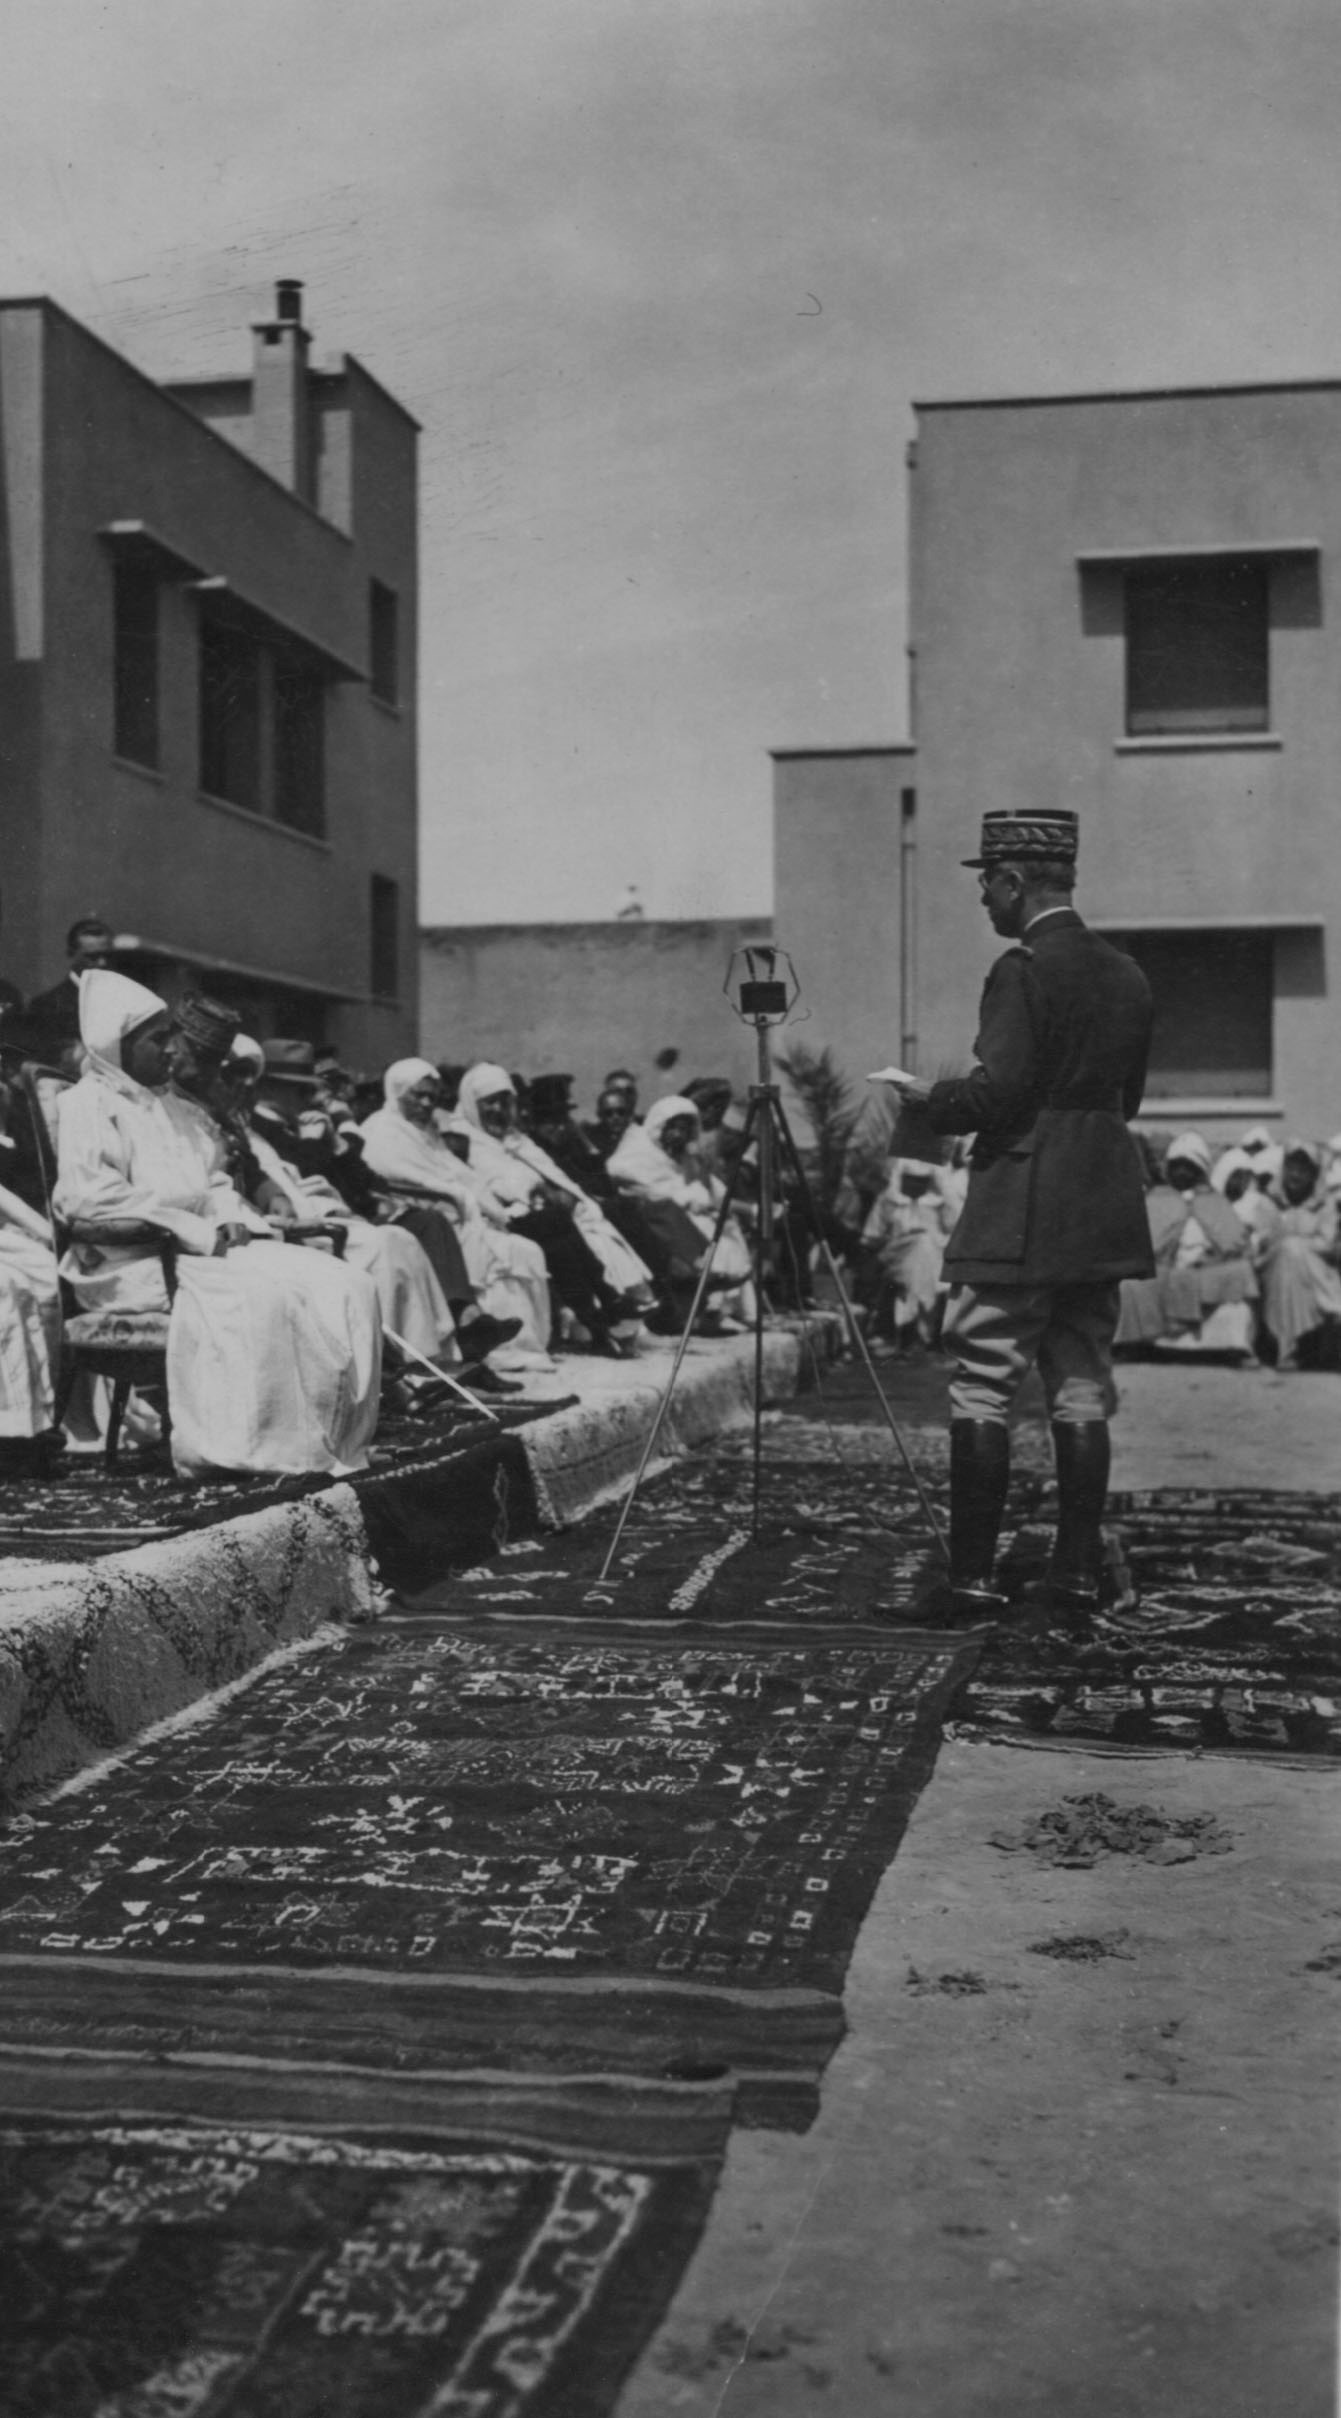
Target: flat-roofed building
(207, 675)
(1122, 603)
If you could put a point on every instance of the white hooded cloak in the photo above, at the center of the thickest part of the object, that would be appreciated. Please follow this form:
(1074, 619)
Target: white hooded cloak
(274, 1353)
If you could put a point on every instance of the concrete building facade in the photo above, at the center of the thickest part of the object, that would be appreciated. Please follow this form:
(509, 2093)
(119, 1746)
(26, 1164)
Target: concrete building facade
(207, 675)
(1119, 603)
(844, 877)
(581, 998)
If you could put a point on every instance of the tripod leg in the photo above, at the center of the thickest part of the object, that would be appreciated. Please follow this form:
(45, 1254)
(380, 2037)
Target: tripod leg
(854, 1330)
(763, 1101)
(682, 1347)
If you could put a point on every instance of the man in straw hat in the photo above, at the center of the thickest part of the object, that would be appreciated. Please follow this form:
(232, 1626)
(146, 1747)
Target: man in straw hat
(1055, 1213)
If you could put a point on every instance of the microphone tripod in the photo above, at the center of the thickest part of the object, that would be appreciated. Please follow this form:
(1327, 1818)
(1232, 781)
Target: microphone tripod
(765, 1003)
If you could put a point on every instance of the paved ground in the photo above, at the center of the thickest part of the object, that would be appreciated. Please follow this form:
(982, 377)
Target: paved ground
(1096, 2182)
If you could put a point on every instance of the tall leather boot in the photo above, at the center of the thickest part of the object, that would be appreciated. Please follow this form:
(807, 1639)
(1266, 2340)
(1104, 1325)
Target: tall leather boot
(979, 1477)
(1082, 1455)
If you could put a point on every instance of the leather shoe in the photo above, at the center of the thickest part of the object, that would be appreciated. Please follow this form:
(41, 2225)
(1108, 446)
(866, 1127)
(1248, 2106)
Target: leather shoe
(478, 1379)
(483, 1334)
(947, 1604)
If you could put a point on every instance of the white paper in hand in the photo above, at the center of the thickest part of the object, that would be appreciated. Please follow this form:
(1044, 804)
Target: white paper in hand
(891, 1074)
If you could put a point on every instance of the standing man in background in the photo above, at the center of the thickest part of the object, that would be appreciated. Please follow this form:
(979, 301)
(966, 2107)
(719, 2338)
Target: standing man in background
(51, 1021)
(1055, 1214)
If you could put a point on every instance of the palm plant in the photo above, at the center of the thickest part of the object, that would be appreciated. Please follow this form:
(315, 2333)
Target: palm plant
(845, 1161)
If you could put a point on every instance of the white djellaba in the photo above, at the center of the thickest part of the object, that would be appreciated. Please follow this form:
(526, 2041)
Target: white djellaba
(507, 1270)
(274, 1354)
(30, 1319)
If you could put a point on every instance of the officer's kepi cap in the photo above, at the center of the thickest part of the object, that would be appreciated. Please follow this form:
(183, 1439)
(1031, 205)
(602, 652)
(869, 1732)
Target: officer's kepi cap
(1047, 833)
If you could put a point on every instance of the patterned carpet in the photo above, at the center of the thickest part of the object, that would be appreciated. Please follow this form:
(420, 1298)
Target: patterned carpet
(567, 1822)
(86, 1510)
(1226, 1634)
(160, 2268)
(838, 1542)
(369, 2040)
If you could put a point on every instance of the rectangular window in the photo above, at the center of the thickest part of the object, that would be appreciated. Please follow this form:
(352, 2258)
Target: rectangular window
(1213, 1001)
(230, 714)
(1197, 655)
(384, 897)
(384, 642)
(135, 663)
(300, 748)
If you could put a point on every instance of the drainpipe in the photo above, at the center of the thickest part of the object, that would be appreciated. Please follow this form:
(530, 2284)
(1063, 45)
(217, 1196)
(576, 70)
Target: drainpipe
(908, 929)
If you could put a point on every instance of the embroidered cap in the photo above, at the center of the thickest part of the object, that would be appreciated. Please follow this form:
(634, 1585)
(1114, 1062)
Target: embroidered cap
(1022, 839)
(208, 1024)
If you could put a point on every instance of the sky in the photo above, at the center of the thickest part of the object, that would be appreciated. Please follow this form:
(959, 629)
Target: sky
(662, 279)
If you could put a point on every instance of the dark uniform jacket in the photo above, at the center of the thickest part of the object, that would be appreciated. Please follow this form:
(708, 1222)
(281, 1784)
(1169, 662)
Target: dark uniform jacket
(50, 1022)
(1055, 1192)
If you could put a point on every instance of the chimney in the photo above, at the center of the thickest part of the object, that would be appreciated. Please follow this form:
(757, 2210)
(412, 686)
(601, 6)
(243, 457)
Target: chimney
(281, 417)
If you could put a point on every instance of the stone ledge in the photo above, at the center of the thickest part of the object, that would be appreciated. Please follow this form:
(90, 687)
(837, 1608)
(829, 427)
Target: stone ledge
(92, 1653)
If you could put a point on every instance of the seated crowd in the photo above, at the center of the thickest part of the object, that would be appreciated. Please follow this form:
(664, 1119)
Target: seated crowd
(1246, 1245)
(1246, 1251)
(302, 1245)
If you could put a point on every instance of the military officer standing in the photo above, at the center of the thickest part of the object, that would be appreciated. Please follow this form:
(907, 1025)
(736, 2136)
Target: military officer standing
(1055, 1213)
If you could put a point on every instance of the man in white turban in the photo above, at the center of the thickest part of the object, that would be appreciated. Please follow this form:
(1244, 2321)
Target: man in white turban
(658, 1161)
(519, 1173)
(404, 1149)
(30, 1332)
(412, 1302)
(1201, 1293)
(1301, 1278)
(274, 1355)
(548, 1209)
(906, 1231)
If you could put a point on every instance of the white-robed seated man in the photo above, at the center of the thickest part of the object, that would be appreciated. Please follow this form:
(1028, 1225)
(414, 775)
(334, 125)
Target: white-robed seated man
(1201, 1295)
(546, 1212)
(274, 1355)
(513, 1165)
(404, 1149)
(30, 1337)
(658, 1161)
(910, 1222)
(1301, 1274)
(413, 1305)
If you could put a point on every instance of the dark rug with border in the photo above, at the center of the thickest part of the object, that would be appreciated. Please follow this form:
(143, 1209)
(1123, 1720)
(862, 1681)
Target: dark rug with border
(837, 1543)
(1225, 1635)
(568, 1848)
(349, 2253)
(86, 1510)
